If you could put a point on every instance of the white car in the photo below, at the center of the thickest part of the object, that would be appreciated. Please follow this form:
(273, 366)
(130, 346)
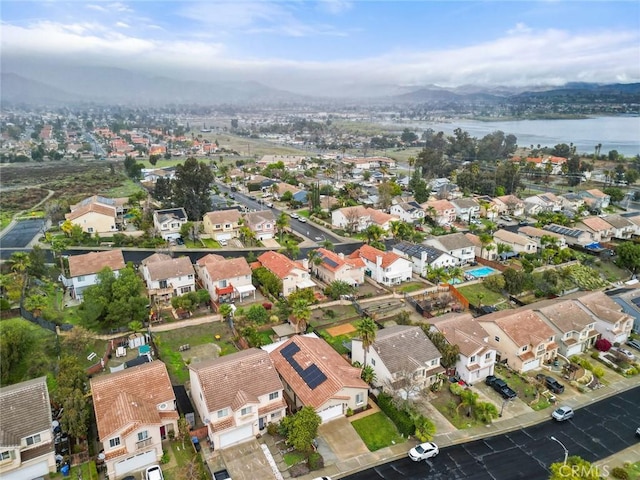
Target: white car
(423, 451)
(153, 473)
(563, 413)
(624, 353)
(302, 220)
(294, 215)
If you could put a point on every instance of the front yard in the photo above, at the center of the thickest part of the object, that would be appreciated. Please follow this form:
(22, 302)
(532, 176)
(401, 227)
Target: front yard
(448, 405)
(377, 431)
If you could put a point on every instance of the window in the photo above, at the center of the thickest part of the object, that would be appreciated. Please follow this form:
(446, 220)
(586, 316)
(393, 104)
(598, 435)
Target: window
(487, 356)
(525, 348)
(81, 278)
(227, 225)
(496, 338)
(275, 415)
(359, 398)
(245, 411)
(472, 359)
(274, 395)
(143, 435)
(90, 230)
(6, 455)
(163, 283)
(434, 362)
(217, 227)
(222, 413)
(185, 289)
(222, 283)
(190, 276)
(373, 361)
(114, 442)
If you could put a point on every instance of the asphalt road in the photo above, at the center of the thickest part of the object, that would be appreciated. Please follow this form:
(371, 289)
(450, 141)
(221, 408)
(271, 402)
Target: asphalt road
(22, 233)
(596, 432)
(305, 229)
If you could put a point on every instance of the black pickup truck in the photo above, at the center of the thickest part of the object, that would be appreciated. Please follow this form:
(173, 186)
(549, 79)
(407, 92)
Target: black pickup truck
(501, 387)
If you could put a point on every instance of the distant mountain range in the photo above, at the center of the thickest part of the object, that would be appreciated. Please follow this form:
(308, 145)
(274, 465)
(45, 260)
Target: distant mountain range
(113, 86)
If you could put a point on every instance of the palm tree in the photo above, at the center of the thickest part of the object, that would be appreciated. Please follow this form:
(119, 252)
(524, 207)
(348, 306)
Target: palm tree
(366, 329)
(368, 374)
(373, 233)
(468, 400)
(485, 239)
(439, 274)
(274, 190)
(315, 259)
(290, 249)
(19, 262)
(328, 244)
(282, 222)
(300, 314)
(456, 272)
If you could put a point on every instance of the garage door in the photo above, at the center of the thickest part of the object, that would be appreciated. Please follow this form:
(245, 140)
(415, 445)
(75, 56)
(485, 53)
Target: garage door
(223, 236)
(330, 413)
(38, 470)
(136, 462)
(238, 435)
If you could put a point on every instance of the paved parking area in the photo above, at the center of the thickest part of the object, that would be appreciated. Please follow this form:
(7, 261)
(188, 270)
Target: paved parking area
(342, 438)
(21, 233)
(247, 461)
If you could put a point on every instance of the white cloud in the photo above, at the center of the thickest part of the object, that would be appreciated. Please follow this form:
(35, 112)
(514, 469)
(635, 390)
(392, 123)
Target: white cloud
(122, 25)
(98, 8)
(119, 7)
(334, 7)
(519, 29)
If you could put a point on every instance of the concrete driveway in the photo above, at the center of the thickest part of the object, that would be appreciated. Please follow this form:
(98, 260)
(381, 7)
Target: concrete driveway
(247, 461)
(510, 409)
(342, 439)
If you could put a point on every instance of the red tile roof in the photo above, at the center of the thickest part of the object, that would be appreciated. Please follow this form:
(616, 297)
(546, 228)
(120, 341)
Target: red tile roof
(370, 254)
(278, 264)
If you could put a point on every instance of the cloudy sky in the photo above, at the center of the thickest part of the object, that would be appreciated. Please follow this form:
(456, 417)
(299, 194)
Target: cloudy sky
(309, 45)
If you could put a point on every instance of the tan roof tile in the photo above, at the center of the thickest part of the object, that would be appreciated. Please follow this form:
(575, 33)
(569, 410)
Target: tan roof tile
(522, 325)
(462, 330)
(94, 208)
(596, 224)
(93, 262)
(170, 268)
(24, 410)
(223, 216)
(401, 347)
(225, 268)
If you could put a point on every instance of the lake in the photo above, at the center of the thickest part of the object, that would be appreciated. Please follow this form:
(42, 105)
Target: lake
(621, 133)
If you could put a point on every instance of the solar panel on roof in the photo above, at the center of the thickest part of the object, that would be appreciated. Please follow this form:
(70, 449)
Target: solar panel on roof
(313, 376)
(636, 302)
(290, 350)
(330, 262)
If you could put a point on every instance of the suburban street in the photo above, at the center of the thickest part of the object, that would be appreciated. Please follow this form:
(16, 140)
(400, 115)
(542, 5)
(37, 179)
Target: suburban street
(596, 432)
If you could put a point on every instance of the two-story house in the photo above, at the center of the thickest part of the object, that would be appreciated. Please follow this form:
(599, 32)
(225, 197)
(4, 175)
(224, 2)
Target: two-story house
(168, 222)
(521, 338)
(543, 237)
(167, 277)
(358, 218)
(467, 209)
(84, 269)
(410, 212)
(315, 375)
(26, 438)
(237, 396)
(294, 275)
(226, 279)
(574, 327)
(595, 199)
(423, 257)
(404, 359)
(621, 227)
(612, 322)
(440, 211)
(598, 228)
(222, 224)
(512, 205)
(518, 243)
(262, 223)
(477, 357)
(387, 268)
(94, 218)
(135, 410)
(546, 202)
(487, 250)
(331, 267)
(573, 236)
(455, 244)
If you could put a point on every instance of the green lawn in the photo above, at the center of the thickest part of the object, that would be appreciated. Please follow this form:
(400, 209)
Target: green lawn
(292, 458)
(86, 471)
(304, 213)
(182, 457)
(411, 287)
(265, 336)
(477, 294)
(526, 391)
(610, 271)
(336, 342)
(128, 188)
(377, 431)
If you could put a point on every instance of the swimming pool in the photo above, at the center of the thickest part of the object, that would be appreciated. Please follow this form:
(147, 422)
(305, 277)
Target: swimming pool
(481, 272)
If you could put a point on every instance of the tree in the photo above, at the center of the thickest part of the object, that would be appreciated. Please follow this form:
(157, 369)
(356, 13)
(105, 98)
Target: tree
(485, 411)
(257, 314)
(366, 330)
(282, 222)
(192, 188)
(35, 303)
(184, 429)
(514, 281)
(373, 233)
(301, 428)
(71, 387)
(37, 262)
(468, 400)
(338, 288)
(300, 314)
(19, 262)
(15, 344)
(368, 374)
(291, 249)
(425, 428)
(575, 468)
(628, 256)
(616, 194)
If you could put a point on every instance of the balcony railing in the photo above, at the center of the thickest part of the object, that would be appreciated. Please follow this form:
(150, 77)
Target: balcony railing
(143, 443)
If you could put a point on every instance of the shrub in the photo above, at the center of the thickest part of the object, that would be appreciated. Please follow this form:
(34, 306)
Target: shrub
(598, 372)
(165, 458)
(315, 461)
(619, 472)
(349, 413)
(272, 429)
(401, 418)
(298, 470)
(595, 355)
(603, 345)
(456, 389)
(267, 305)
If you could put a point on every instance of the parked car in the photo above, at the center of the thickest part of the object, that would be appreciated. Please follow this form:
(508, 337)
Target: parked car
(623, 354)
(550, 382)
(634, 343)
(223, 243)
(638, 432)
(269, 204)
(179, 241)
(302, 219)
(506, 218)
(153, 473)
(221, 475)
(563, 413)
(294, 215)
(501, 387)
(423, 451)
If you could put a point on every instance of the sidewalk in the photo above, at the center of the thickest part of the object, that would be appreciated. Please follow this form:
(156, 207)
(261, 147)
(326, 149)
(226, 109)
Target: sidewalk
(361, 462)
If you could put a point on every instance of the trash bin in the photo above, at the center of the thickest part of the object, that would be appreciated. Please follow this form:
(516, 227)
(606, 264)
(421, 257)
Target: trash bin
(65, 470)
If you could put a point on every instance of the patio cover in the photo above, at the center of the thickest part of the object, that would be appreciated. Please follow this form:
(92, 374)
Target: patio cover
(305, 284)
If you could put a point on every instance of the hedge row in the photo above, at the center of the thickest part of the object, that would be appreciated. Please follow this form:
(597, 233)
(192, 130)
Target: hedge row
(401, 418)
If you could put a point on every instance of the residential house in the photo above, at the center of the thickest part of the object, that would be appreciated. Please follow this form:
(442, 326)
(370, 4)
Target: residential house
(621, 227)
(285, 187)
(488, 251)
(572, 201)
(410, 212)
(222, 224)
(629, 301)
(135, 409)
(315, 375)
(226, 279)
(404, 359)
(358, 218)
(612, 322)
(294, 275)
(512, 205)
(467, 209)
(477, 357)
(289, 161)
(369, 163)
(84, 269)
(595, 199)
(262, 223)
(598, 228)
(443, 189)
(574, 326)
(635, 221)
(387, 268)
(518, 243)
(573, 236)
(26, 439)
(522, 339)
(334, 267)
(151, 175)
(424, 257)
(237, 396)
(441, 211)
(94, 217)
(456, 245)
(537, 234)
(167, 277)
(168, 222)
(489, 209)
(547, 202)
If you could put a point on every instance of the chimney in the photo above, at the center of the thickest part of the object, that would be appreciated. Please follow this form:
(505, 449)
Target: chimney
(341, 255)
(378, 260)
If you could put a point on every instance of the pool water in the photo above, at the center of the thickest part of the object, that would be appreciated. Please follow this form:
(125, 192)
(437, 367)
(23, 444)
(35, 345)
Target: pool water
(481, 272)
